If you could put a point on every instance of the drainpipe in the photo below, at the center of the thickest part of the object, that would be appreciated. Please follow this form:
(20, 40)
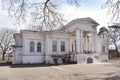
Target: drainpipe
(44, 48)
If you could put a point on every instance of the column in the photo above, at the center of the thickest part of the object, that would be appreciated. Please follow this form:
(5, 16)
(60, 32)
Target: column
(78, 34)
(81, 38)
(78, 45)
(47, 37)
(69, 43)
(95, 41)
(86, 41)
(47, 52)
(92, 42)
(81, 50)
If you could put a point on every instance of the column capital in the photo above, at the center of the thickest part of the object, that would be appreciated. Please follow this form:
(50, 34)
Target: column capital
(78, 29)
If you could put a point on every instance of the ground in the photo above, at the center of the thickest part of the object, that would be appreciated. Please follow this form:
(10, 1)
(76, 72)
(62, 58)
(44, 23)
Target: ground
(100, 71)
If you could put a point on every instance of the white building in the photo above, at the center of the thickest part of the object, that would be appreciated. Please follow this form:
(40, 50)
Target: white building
(78, 39)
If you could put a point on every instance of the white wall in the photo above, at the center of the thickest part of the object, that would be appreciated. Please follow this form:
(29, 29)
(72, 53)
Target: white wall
(58, 37)
(32, 59)
(17, 56)
(28, 37)
(18, 39)
(104, 57)
(46, 46)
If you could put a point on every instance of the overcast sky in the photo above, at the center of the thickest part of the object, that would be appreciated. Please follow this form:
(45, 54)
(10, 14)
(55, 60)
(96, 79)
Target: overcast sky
(89, 8)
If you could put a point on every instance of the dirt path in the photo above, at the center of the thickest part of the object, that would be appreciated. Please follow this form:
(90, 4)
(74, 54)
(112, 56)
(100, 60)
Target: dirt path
(104, 71)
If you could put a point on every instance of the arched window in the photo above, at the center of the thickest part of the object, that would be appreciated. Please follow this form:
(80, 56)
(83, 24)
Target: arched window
(38, 47)
(32, 46)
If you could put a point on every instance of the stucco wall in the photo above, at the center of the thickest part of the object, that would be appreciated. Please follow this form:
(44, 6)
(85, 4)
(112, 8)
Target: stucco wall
(35, 37)
(46, 46)
(17, 56)
(18, 39)
(32, 59)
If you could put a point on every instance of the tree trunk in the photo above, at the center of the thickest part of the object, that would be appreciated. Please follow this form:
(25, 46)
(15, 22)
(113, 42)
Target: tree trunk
(117, 52)
(3, 55)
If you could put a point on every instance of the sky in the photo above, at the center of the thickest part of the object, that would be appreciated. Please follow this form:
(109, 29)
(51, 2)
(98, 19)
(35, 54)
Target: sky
(88, 8)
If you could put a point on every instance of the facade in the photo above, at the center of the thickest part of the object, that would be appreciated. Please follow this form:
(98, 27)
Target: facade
(78, 39)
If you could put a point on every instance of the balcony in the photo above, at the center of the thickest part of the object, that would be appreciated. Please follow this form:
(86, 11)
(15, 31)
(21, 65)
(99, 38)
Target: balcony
(88, 52)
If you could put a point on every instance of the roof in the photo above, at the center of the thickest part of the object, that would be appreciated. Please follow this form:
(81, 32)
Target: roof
(87, 19)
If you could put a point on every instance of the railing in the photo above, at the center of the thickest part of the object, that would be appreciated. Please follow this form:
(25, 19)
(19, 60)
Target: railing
(73, 53)
(88, 52)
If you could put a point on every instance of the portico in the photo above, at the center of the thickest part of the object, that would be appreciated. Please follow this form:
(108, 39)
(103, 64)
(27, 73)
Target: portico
(84, 43)
(84, 40)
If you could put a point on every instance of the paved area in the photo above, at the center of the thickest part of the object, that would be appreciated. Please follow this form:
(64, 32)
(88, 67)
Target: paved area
(101, 71)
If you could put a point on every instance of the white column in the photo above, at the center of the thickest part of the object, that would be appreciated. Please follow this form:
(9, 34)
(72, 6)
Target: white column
(81, 38)
(95, 38)
(69, 44)
(47, 52)
(92, 41)
(58, 46)
(78, 45)
(78, 40)
(47, 37)
(86, 41)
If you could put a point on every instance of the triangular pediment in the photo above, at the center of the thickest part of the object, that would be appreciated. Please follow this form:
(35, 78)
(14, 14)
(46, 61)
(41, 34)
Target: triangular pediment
(87, 20)
(81, 23)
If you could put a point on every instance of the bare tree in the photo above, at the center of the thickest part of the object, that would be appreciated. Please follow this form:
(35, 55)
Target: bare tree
(43, 14)
(113, 7)
(113, 33)
(6, 40)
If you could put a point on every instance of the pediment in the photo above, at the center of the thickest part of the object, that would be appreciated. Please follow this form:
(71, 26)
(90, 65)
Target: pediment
(87, 24)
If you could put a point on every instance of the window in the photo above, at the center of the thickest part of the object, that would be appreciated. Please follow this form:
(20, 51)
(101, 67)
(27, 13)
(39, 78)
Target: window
(32, 46)
(75, 47)
(54, 46)
(62, 46)
(72, 48)
(38, 47)
(103, 48)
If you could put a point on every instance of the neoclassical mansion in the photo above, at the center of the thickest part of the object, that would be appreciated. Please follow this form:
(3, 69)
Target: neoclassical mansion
(76, 42)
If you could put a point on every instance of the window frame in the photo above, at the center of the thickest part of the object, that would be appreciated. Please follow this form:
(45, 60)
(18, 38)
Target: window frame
(54, 46)
(104, 49)
(39, 47)
(32, 46)
(62, 46)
